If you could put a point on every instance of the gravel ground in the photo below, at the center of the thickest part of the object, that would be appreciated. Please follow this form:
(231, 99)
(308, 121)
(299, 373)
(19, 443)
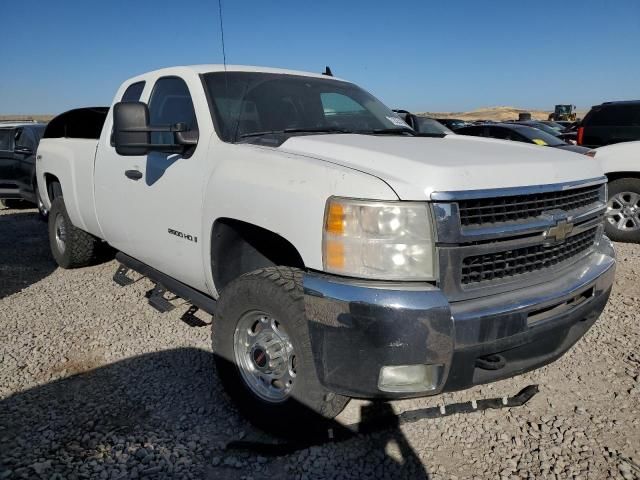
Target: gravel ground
(96, 384)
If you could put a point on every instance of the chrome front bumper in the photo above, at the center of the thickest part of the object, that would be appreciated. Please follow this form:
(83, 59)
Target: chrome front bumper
(356, 327)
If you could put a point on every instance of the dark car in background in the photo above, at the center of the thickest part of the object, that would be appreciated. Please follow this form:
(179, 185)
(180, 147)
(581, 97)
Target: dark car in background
(519, 133)
(18, 145)
(452, 123)
(609, 123)
(552, 129)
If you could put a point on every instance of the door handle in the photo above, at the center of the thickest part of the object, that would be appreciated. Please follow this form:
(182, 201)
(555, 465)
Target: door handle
(133, 174)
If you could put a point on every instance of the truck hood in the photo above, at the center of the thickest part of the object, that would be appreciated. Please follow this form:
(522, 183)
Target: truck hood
(415, 167)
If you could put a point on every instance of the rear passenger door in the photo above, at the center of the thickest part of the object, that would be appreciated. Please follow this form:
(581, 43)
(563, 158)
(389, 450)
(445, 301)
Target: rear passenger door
(113, 191)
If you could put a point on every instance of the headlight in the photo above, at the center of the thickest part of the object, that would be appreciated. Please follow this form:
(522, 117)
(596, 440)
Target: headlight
(591, 153)
(379, 240)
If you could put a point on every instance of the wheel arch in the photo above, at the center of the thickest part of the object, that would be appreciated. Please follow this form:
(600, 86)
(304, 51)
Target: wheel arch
(53, 187)
(239, 247)
(617, 175)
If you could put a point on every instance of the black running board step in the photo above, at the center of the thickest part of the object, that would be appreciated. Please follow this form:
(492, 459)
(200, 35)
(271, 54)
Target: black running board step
(378, 418)
(121, 278)
(195, 297)
(189, 317)
(157, 300)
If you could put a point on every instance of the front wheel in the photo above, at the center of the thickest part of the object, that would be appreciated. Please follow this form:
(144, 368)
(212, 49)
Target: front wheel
(622, 218)
(263, 354)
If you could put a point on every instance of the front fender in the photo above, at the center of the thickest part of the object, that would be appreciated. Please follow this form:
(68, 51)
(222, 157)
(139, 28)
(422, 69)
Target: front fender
(281, 192)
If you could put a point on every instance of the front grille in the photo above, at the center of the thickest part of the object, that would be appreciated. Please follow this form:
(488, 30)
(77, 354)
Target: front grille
(489, 211)
(509, 263)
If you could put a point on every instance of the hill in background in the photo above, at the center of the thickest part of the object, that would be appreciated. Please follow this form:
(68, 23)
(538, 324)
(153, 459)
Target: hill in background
(23, 118)
(495, 114)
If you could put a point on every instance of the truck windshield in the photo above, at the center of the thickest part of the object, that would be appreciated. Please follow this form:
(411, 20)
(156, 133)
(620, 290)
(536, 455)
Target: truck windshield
(250, 104)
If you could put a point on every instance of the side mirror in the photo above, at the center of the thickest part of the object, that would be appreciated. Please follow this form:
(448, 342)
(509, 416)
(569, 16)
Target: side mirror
(132, 132)
(131, 135)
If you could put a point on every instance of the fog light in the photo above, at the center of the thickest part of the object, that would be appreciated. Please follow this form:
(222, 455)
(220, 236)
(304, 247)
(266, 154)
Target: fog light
(409, 378)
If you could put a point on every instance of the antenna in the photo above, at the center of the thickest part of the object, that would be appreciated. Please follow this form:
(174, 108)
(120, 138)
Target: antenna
(327, 72)
(224, 53)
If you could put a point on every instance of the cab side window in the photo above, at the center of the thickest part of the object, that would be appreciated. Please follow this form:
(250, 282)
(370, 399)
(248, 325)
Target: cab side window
(133, 92)
(170, 103)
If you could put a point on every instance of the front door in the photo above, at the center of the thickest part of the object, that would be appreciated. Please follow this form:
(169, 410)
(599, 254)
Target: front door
(159, 215)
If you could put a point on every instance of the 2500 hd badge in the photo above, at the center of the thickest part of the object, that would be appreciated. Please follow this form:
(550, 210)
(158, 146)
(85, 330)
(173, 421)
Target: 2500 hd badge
(186, 236)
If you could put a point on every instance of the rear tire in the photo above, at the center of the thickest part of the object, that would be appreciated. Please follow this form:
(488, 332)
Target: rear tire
(70, 246)
(274, 295)
(622, 218)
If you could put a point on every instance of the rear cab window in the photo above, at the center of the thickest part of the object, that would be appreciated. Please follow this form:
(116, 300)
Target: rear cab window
(133, 92)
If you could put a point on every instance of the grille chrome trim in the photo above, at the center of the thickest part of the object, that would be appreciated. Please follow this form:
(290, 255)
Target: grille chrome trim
(512, 191)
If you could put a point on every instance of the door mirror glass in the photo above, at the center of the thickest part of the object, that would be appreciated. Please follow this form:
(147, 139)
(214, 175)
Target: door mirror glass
(131, 128)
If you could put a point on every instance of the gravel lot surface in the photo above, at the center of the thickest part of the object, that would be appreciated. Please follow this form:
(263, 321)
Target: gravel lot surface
(96, 384)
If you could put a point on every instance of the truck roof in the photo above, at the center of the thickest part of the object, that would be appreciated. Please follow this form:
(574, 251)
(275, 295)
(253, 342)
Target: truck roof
(208, 68)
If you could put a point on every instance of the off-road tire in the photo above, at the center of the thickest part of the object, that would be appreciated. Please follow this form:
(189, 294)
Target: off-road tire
(615, 187)
(309, 407)
(81, 247)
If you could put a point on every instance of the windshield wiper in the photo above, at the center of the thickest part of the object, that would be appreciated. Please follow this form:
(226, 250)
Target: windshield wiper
(433, 135)
(297, 130)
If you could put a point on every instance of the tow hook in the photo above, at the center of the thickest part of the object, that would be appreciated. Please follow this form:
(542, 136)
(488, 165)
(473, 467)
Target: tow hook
(491, 362)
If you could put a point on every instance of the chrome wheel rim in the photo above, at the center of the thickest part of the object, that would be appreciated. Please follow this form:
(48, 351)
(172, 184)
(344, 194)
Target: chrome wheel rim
(265, 356)
(60, 229)
(623, 211)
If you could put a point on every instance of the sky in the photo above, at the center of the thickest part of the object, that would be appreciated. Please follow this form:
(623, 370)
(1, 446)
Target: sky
(419, 55)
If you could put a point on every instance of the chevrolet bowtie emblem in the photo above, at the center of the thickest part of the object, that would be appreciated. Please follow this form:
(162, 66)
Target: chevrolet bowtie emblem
(560, 231)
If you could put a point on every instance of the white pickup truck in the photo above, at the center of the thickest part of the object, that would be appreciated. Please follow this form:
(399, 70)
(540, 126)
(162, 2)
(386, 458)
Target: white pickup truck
(341, 254)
